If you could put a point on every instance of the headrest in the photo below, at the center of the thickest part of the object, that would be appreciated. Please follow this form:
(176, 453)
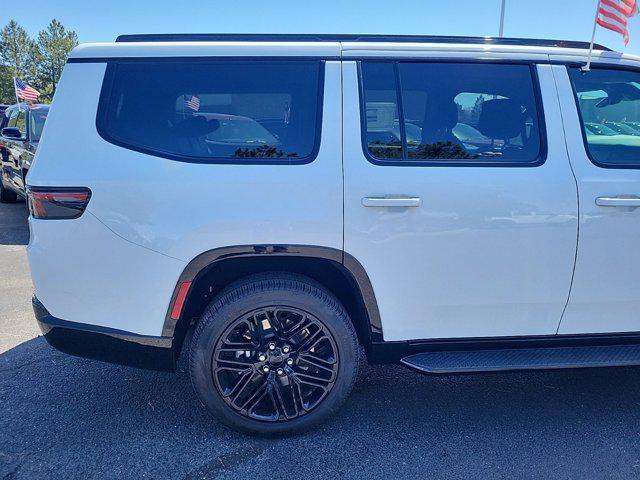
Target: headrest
(441, 115)
(196, 126)
(501, 118)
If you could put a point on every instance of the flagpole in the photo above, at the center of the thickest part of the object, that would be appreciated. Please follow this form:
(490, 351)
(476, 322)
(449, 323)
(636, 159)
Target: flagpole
(501, 33)
(15, 90)
(587, 67)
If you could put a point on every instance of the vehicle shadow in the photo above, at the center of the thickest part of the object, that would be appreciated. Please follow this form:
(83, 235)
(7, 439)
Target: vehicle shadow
(65, 417)
(14, 228)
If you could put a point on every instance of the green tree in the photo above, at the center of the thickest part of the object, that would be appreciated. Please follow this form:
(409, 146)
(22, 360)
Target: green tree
(7, 94)
(50, 55)
(15, 59)
(15, 47)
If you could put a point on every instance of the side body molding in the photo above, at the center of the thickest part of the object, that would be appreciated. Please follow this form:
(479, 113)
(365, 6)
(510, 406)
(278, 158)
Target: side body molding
(203, 262)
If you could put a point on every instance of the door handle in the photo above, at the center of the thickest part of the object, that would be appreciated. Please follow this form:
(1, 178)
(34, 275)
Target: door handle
(629, 201)
(391, 201)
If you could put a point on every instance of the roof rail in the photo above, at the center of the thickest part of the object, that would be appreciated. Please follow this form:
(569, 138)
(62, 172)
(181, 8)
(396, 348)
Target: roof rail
(266, 37)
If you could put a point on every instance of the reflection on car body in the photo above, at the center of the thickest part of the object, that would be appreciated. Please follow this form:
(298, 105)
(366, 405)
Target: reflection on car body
(21, 127)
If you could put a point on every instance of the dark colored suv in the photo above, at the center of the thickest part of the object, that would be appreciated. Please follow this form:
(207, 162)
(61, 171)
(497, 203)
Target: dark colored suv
(21, 126)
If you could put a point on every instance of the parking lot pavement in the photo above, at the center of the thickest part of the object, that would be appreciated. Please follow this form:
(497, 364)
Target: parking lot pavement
(16, 316)
(65, 417)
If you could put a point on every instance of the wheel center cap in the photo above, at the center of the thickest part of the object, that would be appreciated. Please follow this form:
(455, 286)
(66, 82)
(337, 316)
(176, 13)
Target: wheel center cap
(277, 357)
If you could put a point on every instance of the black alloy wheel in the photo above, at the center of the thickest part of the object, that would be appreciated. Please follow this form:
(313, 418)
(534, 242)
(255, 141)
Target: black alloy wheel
(275, 363)
(274, 353)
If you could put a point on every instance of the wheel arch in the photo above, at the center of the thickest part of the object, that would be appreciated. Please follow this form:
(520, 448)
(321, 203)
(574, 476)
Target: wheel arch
(336, 270)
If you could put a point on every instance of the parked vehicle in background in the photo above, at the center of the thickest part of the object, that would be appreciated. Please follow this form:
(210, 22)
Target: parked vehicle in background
(269, 205)
(20, 131)
(2, 109)
(622, 128)
(599, 129)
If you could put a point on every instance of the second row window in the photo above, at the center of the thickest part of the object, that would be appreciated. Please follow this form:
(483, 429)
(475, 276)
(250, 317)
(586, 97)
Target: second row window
(451, 112)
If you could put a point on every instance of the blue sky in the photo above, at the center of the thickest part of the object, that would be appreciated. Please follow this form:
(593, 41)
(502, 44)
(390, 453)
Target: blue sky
(104, 20)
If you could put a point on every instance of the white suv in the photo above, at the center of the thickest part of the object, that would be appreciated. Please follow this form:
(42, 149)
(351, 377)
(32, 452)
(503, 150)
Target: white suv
(273, 204)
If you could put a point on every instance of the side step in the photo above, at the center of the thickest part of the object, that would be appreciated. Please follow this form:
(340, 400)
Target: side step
(547, 358)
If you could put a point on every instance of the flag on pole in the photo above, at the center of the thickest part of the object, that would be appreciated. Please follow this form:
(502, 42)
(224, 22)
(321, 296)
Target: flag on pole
(24, 91)
(614, 15)
(192, 102)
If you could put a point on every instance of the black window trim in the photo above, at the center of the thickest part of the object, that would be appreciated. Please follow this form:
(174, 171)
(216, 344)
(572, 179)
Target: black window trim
(405, 161)
(598, 66)
(107, 87)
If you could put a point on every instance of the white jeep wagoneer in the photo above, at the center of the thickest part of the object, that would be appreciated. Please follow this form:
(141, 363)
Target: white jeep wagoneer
(271, 206)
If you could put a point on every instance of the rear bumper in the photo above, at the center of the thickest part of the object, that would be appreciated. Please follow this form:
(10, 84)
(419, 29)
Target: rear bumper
(106, 344)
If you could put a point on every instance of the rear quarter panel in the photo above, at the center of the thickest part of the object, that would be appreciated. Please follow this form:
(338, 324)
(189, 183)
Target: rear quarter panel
(143, 204)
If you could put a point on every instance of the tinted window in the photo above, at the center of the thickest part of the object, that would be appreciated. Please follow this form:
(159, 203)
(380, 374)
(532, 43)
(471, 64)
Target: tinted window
(12, 117)
(20, 122)
(609, 103)
(37, 117)
(382, 132)
(460, 112)
(214, 111)
(4, 118)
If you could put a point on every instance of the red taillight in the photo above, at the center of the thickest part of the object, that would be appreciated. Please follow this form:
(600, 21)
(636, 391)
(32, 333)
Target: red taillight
(57, 203)
(178, 305)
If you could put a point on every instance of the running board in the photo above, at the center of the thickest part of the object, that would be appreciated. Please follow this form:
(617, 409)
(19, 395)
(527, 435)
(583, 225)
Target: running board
(548, 358)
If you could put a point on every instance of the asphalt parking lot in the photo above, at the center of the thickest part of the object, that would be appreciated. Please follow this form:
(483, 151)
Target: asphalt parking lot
(65, 417)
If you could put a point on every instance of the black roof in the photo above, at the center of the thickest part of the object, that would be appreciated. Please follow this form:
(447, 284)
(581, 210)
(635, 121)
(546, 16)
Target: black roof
(260, 37)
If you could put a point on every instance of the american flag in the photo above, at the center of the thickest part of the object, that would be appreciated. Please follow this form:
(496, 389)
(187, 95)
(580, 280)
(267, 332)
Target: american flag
(192, 102)
(24, 91)
(614, 15)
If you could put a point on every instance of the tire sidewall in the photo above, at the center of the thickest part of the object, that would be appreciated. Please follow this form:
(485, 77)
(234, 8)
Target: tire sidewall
(217, 320)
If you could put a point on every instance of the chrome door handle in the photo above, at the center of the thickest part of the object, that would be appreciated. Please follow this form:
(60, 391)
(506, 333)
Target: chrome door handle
(630, 201)
(391, 201)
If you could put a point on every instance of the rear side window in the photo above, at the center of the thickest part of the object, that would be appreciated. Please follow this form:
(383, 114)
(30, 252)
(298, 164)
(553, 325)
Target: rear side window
(37, 117)
(17, 120)
(21, 122)
(214, 111)
(453, 113)
(609, 105)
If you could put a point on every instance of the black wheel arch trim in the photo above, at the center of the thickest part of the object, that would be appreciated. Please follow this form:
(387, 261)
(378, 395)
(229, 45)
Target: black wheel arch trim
(200, 264)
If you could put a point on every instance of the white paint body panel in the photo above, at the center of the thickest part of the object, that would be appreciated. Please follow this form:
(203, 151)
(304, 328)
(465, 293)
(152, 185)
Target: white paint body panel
(484, 252)
(84, 273)
(489, 252)
(605, 295)
(206, 49)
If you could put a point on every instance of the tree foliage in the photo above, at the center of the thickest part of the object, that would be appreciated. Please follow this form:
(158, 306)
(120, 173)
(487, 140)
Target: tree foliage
(39, 62)
(16, 48)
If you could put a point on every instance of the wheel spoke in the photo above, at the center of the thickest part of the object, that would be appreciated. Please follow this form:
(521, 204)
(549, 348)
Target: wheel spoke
(316, 362)
(250, 382)
(233, 363)
(296, 388)
(310, 341)
(304, 323)
(275, 322)
(242, 382)
(255, 328)
(280, 391)
(254, 399)
(229, 347)
(311, 379)
(278, 403)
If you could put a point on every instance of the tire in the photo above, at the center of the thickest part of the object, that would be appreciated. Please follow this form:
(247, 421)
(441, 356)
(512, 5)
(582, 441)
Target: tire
(6, 195)
(304, 384)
